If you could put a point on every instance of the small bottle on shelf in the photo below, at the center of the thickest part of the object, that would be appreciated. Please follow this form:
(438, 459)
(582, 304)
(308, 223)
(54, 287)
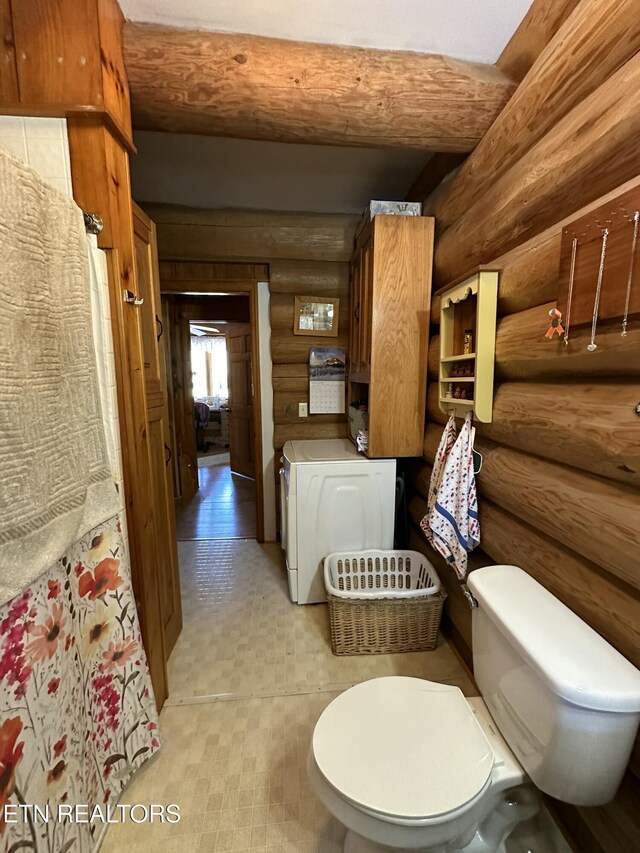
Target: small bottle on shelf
(467, 346)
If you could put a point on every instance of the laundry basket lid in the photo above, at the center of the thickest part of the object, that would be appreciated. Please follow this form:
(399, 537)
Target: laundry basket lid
(403, 747)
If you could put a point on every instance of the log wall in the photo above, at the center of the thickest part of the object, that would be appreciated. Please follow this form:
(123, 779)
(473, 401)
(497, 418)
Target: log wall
(560, 484)
(307, 255)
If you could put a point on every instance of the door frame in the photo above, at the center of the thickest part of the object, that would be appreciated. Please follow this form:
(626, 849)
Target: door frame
(199, 287)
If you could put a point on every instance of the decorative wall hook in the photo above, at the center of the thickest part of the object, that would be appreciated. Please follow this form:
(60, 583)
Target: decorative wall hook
(596, 305)
(93, 223)
(555, 327)
(634, 243)
(599, 269)
(572, 275)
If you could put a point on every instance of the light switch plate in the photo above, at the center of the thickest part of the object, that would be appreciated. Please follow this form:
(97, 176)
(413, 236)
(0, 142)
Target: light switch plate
(303, 410)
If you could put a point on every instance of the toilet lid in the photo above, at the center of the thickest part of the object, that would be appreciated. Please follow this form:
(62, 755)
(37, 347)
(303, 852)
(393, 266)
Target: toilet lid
(403, 747)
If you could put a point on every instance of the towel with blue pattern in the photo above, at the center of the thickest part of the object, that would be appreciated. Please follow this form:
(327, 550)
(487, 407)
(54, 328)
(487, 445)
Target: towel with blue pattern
(454, 524)
(444, 448)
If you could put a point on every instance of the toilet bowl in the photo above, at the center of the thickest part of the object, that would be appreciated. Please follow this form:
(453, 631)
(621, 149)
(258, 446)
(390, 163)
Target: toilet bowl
(408, 764)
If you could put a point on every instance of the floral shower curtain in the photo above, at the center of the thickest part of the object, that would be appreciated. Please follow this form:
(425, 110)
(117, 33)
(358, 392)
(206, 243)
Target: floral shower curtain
(77, 714)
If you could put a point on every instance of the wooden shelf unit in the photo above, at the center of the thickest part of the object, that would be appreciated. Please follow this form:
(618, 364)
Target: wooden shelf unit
(389, 340)
(469, 305)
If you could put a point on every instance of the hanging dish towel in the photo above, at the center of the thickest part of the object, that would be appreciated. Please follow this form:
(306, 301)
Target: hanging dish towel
(454, 521)
(444, 448)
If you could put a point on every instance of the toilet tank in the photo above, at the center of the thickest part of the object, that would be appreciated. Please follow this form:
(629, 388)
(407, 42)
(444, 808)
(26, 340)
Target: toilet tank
(565, 700)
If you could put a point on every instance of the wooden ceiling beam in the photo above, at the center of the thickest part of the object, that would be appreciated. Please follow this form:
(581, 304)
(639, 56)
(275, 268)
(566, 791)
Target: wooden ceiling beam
(585, 155)
(592, 44)
(192, 233)
(538, 27)
(244, 86)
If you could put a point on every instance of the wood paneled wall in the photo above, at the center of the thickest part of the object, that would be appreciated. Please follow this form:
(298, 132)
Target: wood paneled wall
(560, 485)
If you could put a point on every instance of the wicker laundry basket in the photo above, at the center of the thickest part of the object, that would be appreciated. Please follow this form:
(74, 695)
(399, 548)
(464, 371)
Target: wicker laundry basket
(382, 602)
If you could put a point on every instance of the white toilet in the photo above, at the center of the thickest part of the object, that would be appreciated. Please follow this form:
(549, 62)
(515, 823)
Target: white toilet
(407, 764)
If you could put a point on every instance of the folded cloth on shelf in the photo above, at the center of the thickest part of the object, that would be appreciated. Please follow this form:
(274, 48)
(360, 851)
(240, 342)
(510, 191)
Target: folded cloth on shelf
(454, 522)
(444, 448)
(56, 481)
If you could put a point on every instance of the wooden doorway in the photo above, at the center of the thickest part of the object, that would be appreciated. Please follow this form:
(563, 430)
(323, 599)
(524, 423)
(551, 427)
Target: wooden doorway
(184, 298)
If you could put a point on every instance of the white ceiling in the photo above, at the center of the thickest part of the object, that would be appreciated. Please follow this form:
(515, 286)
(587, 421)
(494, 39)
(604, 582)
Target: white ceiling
(214, 172)
(476, 30)
(201, 171)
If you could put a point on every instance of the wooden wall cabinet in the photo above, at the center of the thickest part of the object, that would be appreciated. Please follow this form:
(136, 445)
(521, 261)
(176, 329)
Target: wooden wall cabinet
(390, 304)
(468, 313)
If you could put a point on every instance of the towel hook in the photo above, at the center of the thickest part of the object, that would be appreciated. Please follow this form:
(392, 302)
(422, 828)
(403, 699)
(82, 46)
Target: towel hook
(478, 459)
(132, 299)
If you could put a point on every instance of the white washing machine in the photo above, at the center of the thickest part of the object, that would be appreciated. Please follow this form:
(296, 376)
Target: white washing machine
(331, 499)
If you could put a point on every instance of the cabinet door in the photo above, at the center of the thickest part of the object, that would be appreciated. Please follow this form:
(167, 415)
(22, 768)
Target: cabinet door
(400, 334)
(354, 348)
(366, 310)
(361, 310)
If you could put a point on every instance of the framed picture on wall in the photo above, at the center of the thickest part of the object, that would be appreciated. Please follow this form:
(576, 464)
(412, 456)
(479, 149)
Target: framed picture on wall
(315, 315)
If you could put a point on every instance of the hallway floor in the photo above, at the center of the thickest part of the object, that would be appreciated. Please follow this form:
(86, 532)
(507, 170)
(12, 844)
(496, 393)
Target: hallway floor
(224, 507)
(249, 677)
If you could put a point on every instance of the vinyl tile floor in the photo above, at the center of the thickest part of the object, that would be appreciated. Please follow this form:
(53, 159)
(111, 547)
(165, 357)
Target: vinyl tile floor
(224, 507)
(249, 677)
(243, 636)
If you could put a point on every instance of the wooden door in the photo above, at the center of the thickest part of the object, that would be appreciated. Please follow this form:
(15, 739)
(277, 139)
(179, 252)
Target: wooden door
(166, 562)
(180, 397)
(241, 425)
(168, 367)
